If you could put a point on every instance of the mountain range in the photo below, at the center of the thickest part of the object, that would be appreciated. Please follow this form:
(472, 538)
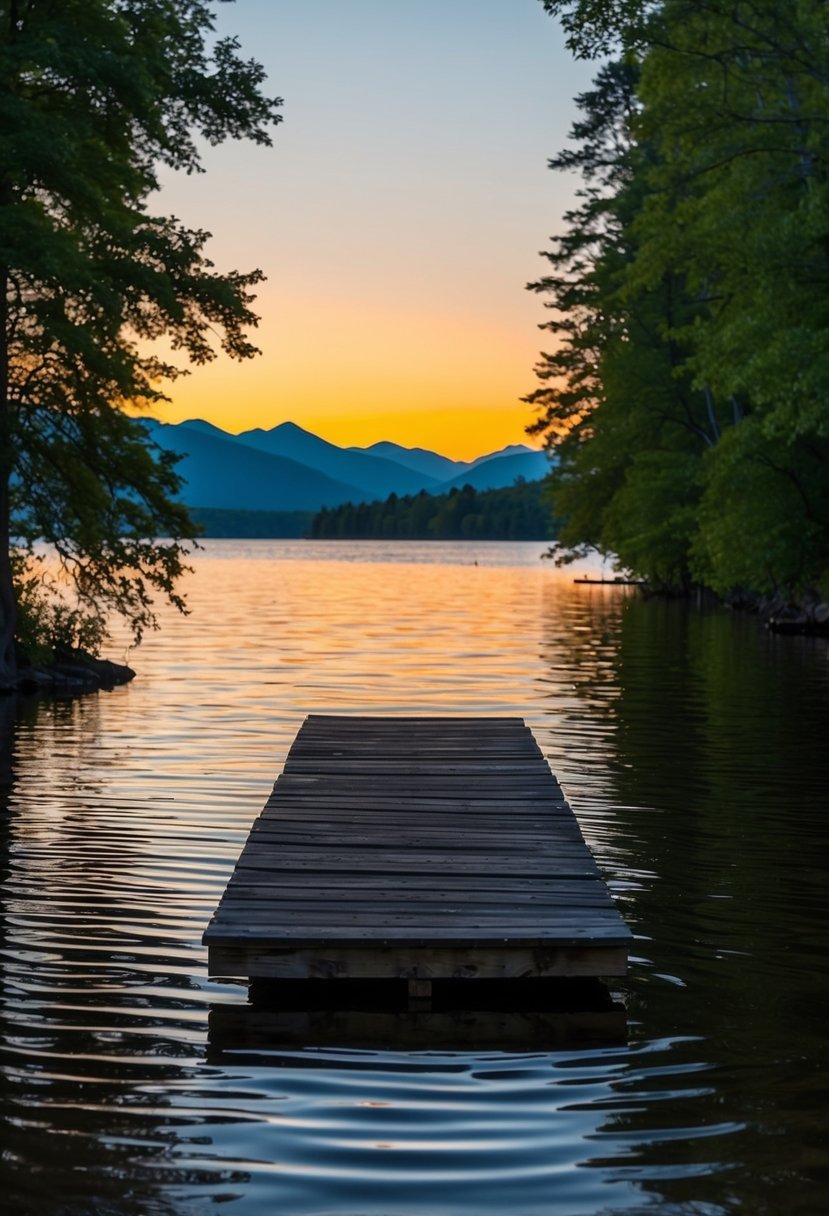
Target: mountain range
(288, 468)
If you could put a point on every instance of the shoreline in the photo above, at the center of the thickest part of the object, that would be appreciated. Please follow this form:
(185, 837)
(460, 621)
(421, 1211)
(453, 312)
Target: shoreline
(72, 673)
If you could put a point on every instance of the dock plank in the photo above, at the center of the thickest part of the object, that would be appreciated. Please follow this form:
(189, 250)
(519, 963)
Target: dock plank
(416, 848)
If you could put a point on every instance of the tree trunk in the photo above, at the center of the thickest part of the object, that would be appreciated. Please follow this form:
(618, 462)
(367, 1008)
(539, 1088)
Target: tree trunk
(712, 413)
(8, 600)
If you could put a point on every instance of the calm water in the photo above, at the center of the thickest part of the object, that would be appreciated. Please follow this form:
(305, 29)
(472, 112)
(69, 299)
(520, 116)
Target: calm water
(693, 747)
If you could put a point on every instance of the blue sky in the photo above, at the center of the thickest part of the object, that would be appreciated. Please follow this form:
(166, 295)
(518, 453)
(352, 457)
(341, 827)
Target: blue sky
(397, 217)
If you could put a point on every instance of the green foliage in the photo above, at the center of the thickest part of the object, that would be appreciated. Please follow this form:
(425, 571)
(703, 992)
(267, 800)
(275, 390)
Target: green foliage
(595, 28)
(737, 99)
(688, 392)
(764, 516)
(624, 420)
(46, 621)
(94, 96)
(518, 512)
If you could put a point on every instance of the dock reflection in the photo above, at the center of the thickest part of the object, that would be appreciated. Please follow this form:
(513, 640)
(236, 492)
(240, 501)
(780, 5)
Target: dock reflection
(513, 1016)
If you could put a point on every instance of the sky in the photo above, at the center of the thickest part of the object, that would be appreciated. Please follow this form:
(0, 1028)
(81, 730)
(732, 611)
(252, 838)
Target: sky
(397, 217)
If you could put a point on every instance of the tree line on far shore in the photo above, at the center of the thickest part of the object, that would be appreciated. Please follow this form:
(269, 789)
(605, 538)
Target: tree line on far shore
(517, 512)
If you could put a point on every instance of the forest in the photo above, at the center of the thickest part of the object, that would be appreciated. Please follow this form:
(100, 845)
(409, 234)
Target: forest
(685, 390)
(518, 512)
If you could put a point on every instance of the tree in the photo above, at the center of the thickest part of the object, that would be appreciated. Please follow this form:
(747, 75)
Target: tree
(95, 96)
(626, 424)
(688, 391)
(596, 27)
(737, 97)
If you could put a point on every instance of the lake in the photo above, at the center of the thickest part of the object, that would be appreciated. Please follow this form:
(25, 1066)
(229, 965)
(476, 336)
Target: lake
(693, 747)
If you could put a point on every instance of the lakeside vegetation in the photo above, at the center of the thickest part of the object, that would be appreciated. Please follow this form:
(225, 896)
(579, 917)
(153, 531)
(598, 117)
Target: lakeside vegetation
(686, 392)
(97, 99)
(518, 512)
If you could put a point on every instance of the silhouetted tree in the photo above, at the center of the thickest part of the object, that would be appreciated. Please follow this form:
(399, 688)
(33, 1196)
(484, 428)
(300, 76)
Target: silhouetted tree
(687, 394)
(95, 95)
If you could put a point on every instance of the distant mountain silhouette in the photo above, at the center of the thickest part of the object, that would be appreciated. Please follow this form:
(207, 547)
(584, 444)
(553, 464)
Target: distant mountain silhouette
(223, 473)
(512, 449)
(499, 470)
(374, 476)
(441, 468)
(199, 424)
(288, 468)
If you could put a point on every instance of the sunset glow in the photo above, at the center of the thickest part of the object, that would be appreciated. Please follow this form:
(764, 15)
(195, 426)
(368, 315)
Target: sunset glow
(397, 217)
(362, 374)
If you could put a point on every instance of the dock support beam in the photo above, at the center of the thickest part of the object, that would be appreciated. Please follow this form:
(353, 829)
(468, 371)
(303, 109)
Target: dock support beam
(420, 990)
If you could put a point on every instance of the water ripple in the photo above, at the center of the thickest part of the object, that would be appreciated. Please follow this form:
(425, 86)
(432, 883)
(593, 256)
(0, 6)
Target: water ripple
(690, 779)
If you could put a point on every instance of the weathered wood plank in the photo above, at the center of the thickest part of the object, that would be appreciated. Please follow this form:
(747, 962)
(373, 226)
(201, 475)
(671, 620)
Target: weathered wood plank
(446, 783)
(261, 905)
(427, 937)
(447, 792)
(320, 882)
(373, 961)
(376, 800)
(262, 909)
(417, 923)
(445, 817)
(384, 863)
(448, 924)
(350, 832)
(374, 747)
(411, 889)
(460, 851)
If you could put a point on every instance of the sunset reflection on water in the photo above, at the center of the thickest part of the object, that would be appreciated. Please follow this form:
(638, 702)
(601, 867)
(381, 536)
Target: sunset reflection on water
(128, 809)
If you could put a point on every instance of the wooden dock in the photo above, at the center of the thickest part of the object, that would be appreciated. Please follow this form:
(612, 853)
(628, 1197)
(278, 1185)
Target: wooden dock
(419, 849)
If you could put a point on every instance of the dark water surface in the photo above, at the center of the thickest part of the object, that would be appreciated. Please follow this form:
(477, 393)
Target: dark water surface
(693, 747)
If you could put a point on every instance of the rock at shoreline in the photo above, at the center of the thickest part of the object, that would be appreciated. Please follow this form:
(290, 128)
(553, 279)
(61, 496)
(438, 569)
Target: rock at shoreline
(814, 619)
(72, 673)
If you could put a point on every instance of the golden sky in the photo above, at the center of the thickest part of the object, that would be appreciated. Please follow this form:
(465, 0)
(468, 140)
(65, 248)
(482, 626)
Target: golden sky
(397, 217)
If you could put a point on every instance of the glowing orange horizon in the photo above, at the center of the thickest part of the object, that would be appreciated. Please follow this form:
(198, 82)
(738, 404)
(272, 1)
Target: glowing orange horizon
(356, 375)
(397, 217)
(457, 433)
